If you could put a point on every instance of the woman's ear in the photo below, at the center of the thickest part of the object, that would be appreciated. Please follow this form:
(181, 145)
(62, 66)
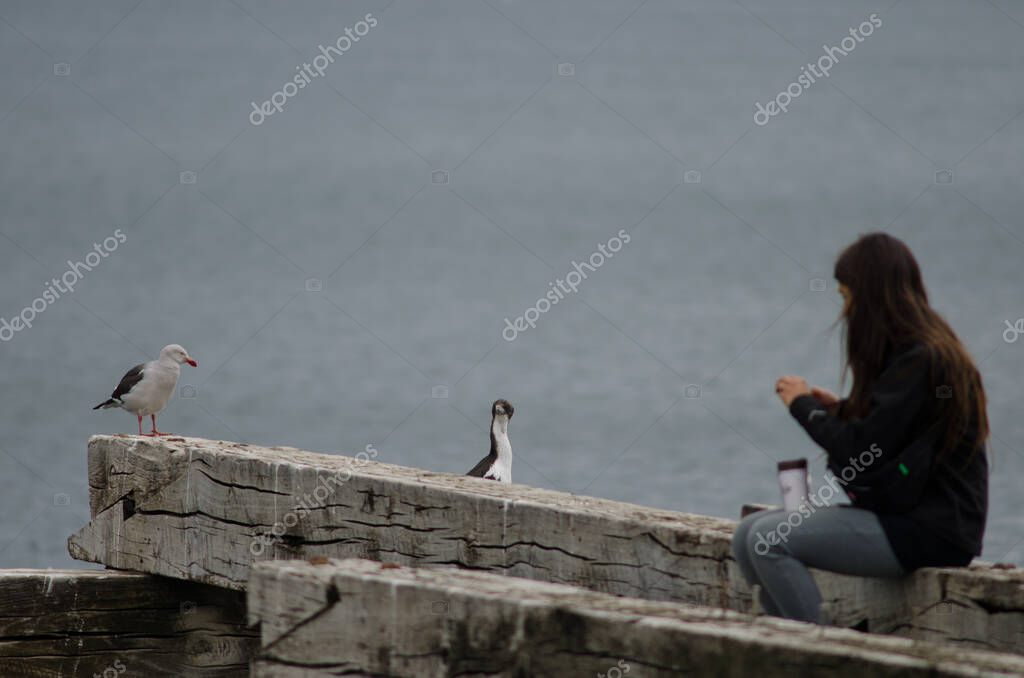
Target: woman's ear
(847, 297)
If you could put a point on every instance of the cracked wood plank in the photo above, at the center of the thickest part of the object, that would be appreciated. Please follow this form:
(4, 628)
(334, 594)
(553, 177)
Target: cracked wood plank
(363, 618)
(206, 511)
(85, 622)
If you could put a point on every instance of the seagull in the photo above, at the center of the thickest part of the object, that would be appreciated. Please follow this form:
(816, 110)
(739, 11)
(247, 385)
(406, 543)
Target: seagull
(146, 388)
(497, 465)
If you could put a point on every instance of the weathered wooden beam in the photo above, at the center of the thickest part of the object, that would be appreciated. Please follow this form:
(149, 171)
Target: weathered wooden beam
(106, 623)
(206, 511)
(358, 617)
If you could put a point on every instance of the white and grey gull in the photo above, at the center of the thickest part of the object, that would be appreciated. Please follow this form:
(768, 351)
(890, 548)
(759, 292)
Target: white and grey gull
(497, 465)
(145, 389)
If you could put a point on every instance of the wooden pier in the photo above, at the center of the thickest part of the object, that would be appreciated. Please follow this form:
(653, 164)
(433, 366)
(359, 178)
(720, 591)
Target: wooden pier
(599, 581)
(107, 623)
(436, 623)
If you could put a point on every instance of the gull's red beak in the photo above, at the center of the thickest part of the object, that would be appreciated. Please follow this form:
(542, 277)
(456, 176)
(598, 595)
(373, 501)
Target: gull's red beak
(191, 362)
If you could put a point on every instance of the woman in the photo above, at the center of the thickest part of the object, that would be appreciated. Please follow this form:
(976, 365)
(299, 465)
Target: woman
(911, 376)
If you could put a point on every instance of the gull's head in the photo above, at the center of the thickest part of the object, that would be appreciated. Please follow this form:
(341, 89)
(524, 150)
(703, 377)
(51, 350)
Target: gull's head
(178, 354)
(502, 408)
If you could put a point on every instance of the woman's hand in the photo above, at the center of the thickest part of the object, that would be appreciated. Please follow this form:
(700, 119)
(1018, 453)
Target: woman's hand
(824, 396)
(790, 388)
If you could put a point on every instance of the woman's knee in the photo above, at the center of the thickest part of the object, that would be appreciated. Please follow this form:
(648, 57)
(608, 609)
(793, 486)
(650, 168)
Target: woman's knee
(739, 537)
(739, 542)
(745, 538)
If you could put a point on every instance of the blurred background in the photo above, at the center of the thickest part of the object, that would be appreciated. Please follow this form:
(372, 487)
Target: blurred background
(344, 269)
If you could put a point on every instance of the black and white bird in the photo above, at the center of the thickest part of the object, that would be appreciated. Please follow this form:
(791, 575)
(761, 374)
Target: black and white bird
(497, 465)
(145, 389)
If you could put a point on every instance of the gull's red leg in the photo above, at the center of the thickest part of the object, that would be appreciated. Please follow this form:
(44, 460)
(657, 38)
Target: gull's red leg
(155, 432)
(140, 424)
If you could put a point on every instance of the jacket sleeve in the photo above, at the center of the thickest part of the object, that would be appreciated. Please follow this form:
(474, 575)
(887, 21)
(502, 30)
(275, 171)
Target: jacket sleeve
(898, 398)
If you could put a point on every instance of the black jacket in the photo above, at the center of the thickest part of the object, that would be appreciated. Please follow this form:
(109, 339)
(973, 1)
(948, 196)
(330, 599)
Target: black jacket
(947, 526)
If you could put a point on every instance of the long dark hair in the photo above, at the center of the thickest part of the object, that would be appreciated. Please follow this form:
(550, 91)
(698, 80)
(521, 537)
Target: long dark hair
(889, 309)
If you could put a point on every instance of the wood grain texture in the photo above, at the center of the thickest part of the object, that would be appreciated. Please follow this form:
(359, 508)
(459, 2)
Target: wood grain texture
(363, 618)
(206, 511)
(107, 623)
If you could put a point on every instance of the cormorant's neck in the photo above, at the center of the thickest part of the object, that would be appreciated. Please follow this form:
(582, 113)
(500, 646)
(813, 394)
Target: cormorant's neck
(499, 436)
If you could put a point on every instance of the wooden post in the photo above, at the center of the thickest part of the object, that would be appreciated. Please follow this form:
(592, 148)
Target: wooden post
(106, 623)
(206, 511)
(364, 618)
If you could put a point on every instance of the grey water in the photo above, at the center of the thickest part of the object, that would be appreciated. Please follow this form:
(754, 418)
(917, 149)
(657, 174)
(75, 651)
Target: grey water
(343, 271)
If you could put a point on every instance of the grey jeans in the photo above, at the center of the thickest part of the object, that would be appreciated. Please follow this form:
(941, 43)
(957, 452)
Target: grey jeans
(775, 548)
